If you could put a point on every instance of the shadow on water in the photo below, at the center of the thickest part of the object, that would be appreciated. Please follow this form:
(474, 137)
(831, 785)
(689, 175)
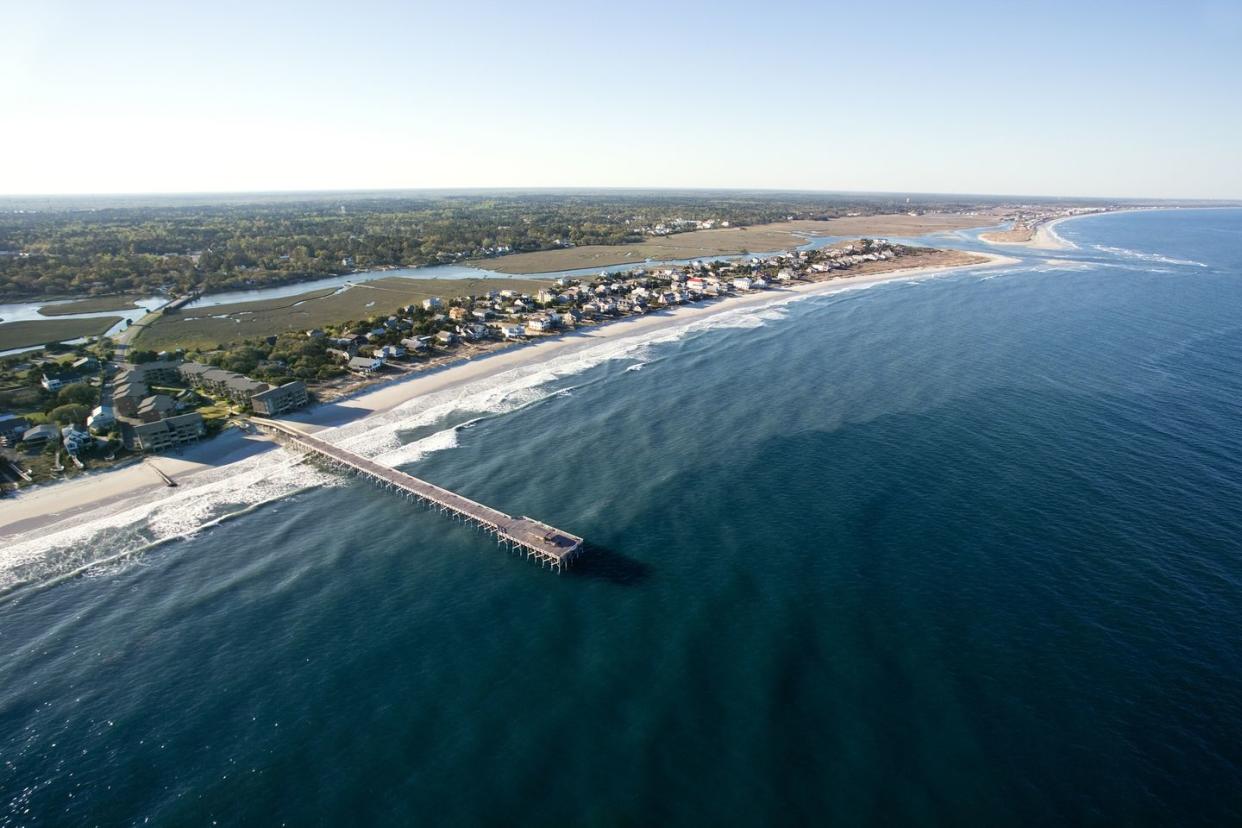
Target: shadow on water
(603, 564)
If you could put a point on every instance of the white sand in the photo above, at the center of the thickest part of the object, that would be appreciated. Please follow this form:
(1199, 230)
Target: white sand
(1045, 238)
(117, 489)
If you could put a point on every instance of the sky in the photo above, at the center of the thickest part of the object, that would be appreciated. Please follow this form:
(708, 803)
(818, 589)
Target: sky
(1135, 99)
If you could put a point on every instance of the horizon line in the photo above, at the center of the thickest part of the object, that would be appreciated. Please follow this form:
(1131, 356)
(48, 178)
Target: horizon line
(597, 189)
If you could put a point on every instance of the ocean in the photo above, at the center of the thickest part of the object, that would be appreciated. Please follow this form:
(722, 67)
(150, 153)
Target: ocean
(963, 549)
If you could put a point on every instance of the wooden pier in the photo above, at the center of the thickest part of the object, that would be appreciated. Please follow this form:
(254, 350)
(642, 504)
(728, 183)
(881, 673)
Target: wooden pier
(547, 544)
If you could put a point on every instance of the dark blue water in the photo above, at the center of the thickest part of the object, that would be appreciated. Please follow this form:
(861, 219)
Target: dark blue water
(960, 551)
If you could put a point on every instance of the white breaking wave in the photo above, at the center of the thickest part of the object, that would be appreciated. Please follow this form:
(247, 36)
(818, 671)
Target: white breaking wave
(53, 551)
(1064, 265)
(1127, 253)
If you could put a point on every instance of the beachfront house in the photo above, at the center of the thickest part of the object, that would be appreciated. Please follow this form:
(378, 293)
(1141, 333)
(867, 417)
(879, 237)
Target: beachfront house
(365, 365)
(542, 324)
(76, 441)
(473, 332)
(743, 283)
(390, 352)
(512, 331)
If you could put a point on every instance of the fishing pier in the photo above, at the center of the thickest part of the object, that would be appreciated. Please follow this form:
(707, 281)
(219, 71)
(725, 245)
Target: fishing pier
(547, 544)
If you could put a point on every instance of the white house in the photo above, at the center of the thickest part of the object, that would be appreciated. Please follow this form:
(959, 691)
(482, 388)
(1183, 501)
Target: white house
(743, 283)
(101, 418)
(366, 365)
(391, 352)
(540, 324)
(432, 303)
(76, 440)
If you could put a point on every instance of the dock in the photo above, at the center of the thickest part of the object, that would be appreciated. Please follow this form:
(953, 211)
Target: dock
(550, 546)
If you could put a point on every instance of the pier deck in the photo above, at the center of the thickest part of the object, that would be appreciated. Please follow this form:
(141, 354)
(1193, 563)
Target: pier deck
(551, 546)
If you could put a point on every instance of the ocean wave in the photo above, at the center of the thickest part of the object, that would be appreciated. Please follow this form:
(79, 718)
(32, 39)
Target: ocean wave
(1127, 253)
(211, 496)
(1063, 265)
(419, 449)
(63, 548)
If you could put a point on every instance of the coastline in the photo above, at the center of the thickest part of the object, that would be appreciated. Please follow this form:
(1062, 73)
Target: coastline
(45, 507)
(1044, 237)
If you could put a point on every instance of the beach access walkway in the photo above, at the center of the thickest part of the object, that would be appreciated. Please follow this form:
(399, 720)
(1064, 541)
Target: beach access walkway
(552, 547)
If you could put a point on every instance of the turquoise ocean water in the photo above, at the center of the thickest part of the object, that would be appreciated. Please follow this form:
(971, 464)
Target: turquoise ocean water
(956, 550)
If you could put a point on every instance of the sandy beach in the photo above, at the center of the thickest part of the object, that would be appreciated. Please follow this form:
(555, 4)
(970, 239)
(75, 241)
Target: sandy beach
(114, 490)
(1044, 236)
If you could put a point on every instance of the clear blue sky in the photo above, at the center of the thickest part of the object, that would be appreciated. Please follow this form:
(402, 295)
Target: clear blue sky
(1085, 98)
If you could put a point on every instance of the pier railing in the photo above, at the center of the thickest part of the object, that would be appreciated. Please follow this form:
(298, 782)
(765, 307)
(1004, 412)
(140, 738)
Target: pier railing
(552, 547)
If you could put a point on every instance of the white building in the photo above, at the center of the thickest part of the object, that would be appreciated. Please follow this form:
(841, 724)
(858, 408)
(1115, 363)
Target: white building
(366, 365)
(102, 418)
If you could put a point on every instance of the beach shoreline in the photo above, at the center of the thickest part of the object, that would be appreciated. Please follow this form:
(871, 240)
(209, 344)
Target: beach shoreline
(1043, 237)
(44, 507)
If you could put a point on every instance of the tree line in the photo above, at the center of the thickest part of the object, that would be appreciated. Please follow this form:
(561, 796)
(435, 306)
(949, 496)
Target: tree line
(79, 251)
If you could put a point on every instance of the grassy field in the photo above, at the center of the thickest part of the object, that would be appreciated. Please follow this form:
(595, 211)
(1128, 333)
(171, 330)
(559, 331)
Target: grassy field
(27, 333)
(731, 240)
(93, 305)
(222, 324)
